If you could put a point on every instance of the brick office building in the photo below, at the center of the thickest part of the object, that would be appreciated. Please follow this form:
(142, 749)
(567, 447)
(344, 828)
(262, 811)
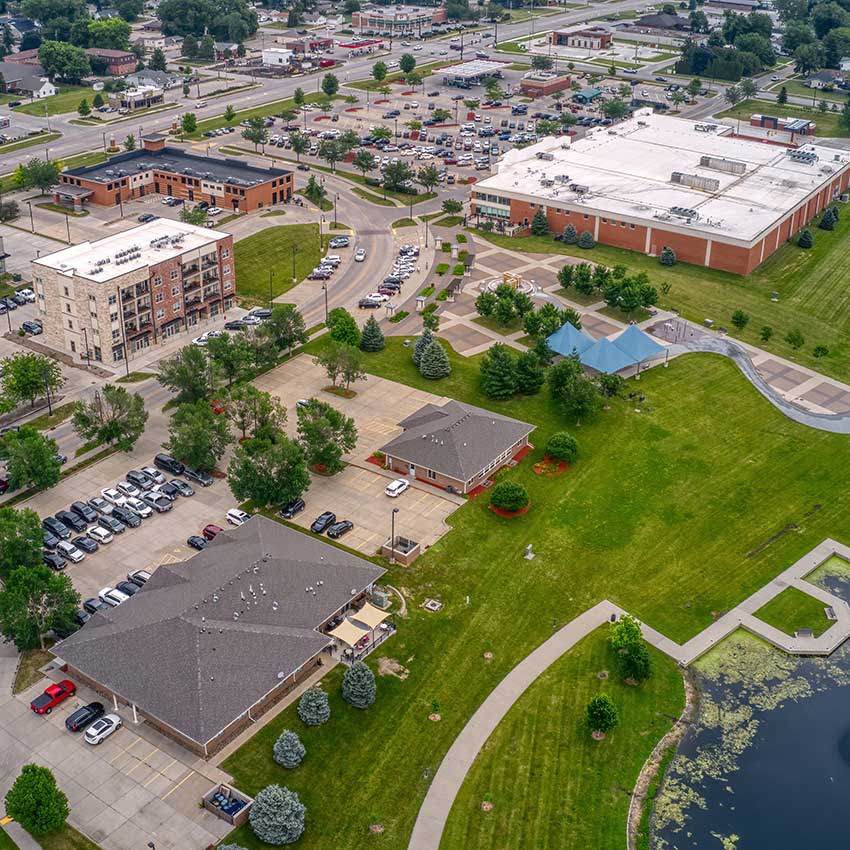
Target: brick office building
(159, 169)
(653, 182)
(115, 297)
(585, 38)
(118, 62)
(395, 21)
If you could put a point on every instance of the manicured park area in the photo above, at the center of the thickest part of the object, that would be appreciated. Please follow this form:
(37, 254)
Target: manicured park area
(273, 250)
(813, 295)
(660, 513)
(828, 123)
(67, 99)
(792, 610)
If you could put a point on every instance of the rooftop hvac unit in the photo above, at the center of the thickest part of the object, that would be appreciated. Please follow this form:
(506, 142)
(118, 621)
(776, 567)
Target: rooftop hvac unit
(579, 188)
(684, 212)
(803, 156)
(705, 128)
(562, 178)
(695, 181)
(545, 156)
(826, 169)
(547, 182)
(720, 163)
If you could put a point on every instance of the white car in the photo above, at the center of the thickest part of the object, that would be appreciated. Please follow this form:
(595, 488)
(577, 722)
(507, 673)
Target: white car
(137, 505)
(331, 259)
(418, 47)
(28, 294)
(359, 255)
(397, 487)
(100, 534)
(153, 473)
(377, 296)
(113, 497)
(167, 200)
(69, 551)
(125, 488)
(200, 104)
(235, 516)
(112, 597)
(101, 729)
(214, 210)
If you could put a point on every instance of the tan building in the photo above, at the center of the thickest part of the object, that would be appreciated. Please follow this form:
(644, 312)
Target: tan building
(394, 21)
(109, 299)
(134, 99)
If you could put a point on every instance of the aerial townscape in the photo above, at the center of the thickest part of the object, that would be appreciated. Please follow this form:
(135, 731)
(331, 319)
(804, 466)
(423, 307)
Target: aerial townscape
(424, 426)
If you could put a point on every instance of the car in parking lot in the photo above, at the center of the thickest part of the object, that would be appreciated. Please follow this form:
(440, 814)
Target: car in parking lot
(113, 524)
(339, 242)
(55, 527)
(126, 516)
(49, 541)
(158, 501)
(323, 522)
(53, 560)
(100, 534)
(85, 544)
(139, 507)
(101, 729)
(168, 489)
(84, 512)
(82, 717)
(32, 328)
(289, 510)
(69, 551)
(125, 488)
(195, 541)
(168, 464)
(114, 498)
(128, 588)
(93, 605)
(182, 487)
(199, 476)
(339, 528)
(237, 517)
(100, 505)
(211, 531)
(397, 487)
(139, 479)
(154, 474)
(138, 577)
(71, 520)
(112, 597)
(54, 694)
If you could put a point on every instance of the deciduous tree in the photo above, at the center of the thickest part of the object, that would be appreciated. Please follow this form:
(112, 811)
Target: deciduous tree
(186, 374)
(35, 801)
(20, 539)
(343, 327)
(268, 472)
(113, 416)
(254, 413)
(325, 435)
(601, 714)
(27, 376)
(198, 436)
(31, 459)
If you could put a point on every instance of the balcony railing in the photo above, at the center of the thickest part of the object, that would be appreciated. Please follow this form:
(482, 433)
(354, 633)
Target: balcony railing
(208, 261)
(192, 285)
(142, 288)
(190, 268)
(128, 314)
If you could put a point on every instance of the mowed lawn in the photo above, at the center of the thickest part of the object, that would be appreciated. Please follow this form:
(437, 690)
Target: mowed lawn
(658, 515)
(271, 250)
(828, 123)
(67, 99)
(792, 610)
(812, 286)
(552, 786)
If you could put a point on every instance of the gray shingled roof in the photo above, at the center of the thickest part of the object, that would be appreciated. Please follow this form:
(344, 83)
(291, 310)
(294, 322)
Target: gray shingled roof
(457, 439)
(176, 649)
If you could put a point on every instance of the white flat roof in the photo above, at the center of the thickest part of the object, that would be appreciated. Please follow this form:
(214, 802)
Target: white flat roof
(473, 68)
(132, 250)
(626, 171)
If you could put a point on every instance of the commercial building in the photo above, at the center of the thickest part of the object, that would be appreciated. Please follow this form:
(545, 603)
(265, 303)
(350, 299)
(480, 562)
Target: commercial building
(162, 170)
(26, 79)
(139, 97)
(467, 74)
(117, 62)
(395, 21)
(210, 644)
(309, 44)
(276, 57)
(543, 83)
(456, 446)
(586, 38)
(107, 300)
(655, 181)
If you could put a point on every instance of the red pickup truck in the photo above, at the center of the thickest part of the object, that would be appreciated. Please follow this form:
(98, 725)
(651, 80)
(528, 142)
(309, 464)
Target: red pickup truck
(52, 696)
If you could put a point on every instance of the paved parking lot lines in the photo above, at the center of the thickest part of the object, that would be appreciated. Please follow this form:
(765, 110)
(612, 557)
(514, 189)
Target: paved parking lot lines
(176, 785)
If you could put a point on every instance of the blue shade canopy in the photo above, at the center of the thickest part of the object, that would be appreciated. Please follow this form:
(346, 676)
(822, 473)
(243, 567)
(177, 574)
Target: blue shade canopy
(567, 339)
(637, 344)
(604, 356)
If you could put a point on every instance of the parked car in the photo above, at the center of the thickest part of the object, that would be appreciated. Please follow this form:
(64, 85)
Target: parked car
(339, 528)
(168, 464)
(100, 505)
(138, 577)
(339, 242)
(71, 520)
(146, 217)
(182, 487)
(53, 560)
(53, 695)
(139, 507)
(125, 488)
(322, 522)
(69, 551)
(199, 476)
(289, 510)
(85, 544)
(368, 304)
(115, 498)
(140, 479)
(82, 717)
(237, 517)
(100, 534)
(168, 490)
(195, 541)
(49, 540)
(125, 516)
(112, 524)
(84, 512)
(154, 474)
(234, 325)
(93, 605)
(101, 729)
(159, 502)
(128, 588)
(211, 531)
(55, 527)
(32, 328)
(397, 487)
(112, 597)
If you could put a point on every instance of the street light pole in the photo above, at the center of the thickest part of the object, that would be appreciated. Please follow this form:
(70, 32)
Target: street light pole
(32, 223)
(293, 262)
(392, 535)
(325, 290)
(336, 198)
(47, 393)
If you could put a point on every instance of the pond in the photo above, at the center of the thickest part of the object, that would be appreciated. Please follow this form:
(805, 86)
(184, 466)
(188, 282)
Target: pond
(768, 763)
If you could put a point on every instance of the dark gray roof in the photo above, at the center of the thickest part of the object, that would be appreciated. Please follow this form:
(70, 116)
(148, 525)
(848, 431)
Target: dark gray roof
(662, 21)
(177, 650)
(457, 439)
(24, 77)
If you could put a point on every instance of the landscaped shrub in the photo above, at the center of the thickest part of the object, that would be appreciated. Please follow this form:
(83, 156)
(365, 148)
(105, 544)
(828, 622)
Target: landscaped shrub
(442, 295)
(827, 221)
(795, 338)
(230, 847)
(740, 319)
(358, 685)
(422, 342)
(442, 268)
(570, 236)
(805, 239)
(562, 446)
(459, 269)
(820, 351)
(397, 317)
(372, 337)
(434, 363)
(668, 257)
(288, 750)
(313, 707)
(446, 247)
(461, 237)
(277, 816)
(586, 240)
(539, 224)
(509, 496)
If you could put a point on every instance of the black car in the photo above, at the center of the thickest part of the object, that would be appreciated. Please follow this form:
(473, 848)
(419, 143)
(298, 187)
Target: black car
(81, 718)
(303, 167)
(56, 527)
(294, 507)
(71, 520)
(339, 528)
(86, 544)
(53, 560)
(128, 587)
(141, 479)
(49, 541)
(322, 522)
(199, 476)
(202, 205)
(169, 489)
(124, 516)
(110, 523)
(81, 617)
(368, 304)
(234, 325)
(32, 328)
(168, 464)
(182, 487)
(197, 542)
(84, 512)
(146, 217)
(94, 605)
(10, 305)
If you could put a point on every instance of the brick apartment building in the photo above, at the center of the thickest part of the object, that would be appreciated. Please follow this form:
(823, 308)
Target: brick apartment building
(162, 170)
(118, 62)
(395, 21)
(654, 181)
(109, 299)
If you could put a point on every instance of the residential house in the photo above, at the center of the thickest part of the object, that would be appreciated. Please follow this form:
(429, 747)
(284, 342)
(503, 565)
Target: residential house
(224, 50)
(844, 63)
(824, 79)
(455, 446)
(23, 57)
(28, 80)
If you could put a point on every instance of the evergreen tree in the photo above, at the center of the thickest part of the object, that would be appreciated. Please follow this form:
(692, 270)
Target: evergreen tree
(313, 707)
(372, 337)
(529, 374)
(288, 750)
(358, 685)
(570, 236)
(835, 213)
(498, 372)
(434, 363)
(668, 257)
(586, 240)
(805, 239)
(277, 816)
(539, 224)
(542, 352)
(782, 97)
(422, 343)
(827, 221)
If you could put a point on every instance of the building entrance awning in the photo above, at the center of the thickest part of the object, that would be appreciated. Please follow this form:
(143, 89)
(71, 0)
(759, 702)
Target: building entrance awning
(65, 190)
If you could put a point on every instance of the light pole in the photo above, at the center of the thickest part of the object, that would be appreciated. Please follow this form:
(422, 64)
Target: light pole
(68, 227)
(293, 262)
(392, 535)
(32, 223)
(325, 290)
(47, 392)
(336, 198)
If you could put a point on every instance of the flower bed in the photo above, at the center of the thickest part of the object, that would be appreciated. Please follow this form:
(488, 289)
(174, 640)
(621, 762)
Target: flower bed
(548, 466)
(510, 514)
(353, 109)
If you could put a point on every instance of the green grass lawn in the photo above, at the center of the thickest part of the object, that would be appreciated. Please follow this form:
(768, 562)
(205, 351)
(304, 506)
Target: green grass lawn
(796, 87)
(67, 838)
(371, 198)
(403, 222)
(67, 99)
(572, 294)
(325, 204)
(828, 123)
(551, 784)
(658, 514)
(493, 324)
(813, 295)
(260, 111)
(6, 843)
(423, 71)
(50, 420)
(40, 139)
(792, 610)
(271, 250)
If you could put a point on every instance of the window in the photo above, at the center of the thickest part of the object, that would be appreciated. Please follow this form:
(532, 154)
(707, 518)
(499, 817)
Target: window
(113, 299)
(157, 281)
(432, 475)
(67, 308)
(175, 290)
(174, 274)
(160, 314)
(586, 216)
(175, 307)
(631, 227)
(226, 269)
(227, 284)
(70, 325)
(113, 317)
(73, 347)
(225, 253)
(92, 298)
(116, 334)
(604, 220)
(158, 298)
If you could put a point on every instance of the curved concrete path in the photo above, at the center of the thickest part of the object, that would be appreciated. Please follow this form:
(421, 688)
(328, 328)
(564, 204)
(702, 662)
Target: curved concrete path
(837, 423)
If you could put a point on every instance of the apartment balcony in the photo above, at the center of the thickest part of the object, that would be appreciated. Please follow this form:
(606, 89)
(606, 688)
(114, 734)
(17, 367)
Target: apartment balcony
(142, 288)
(143, 304)
(209, 261)
(192, 285)
(190, 268)
(128, 295)
(190, 302)
(210, 278)
(129, 313)
(211, 292)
